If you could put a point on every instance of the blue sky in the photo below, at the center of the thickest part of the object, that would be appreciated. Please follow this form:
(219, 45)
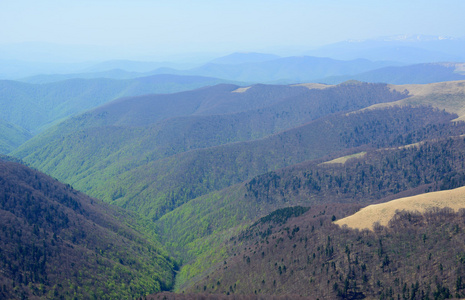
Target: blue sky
(181, 26)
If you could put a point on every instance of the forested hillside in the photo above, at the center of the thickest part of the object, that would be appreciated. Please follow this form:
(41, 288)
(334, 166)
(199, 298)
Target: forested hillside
(201, 167)
(56, 242)
(196, 230)
(35, 107)
(151, 170)
(11, 136)
(415, 257)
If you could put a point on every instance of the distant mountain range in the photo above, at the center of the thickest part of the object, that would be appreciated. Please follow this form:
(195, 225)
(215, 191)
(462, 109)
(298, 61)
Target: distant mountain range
(262, 68)
(419, 73)
(241, 67)
(407, 49)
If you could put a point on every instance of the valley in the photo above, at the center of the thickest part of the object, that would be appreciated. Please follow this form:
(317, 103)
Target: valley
(183, 186)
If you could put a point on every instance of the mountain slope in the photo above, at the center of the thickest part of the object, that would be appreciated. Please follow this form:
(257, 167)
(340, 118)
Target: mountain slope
(412, 74)
(449, 96)
(416, 257)
(377, 177)
(57, 242)
(384, 212)
(38, 106)
(128, 164)
(12, 136)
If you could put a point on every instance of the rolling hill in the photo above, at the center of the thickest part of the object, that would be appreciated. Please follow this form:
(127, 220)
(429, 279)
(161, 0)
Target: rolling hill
(236, 67)
(196, 231)
(11, 136)
(205, 165)
(411, 74)
(125, 164)
(417, 256)
(35, 107)
(56, 242)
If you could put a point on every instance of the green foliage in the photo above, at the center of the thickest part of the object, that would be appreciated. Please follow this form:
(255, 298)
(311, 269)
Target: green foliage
(130, 168)
(215, 216)
(56, 241)
(181, 160)
(281, 215)
(11, 137)
(36, 107)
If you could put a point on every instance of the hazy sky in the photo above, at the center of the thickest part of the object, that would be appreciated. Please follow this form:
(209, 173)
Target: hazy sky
(181, 26)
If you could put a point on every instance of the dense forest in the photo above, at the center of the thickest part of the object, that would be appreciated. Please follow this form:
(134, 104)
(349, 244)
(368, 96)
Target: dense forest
(418, 256)
(196, 230)
(155, 169)
(231, 192)
(57, 242)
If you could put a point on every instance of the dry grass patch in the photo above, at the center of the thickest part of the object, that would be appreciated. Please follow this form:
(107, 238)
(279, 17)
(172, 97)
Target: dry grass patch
(241, 90)
(344, 159)
(311, 86)
(383, 212)
(449, 95)
(447, 87)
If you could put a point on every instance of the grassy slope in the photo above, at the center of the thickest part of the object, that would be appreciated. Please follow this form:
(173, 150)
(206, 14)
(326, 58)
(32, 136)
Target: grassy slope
(383, 213)
(449, 96)
(57, 242)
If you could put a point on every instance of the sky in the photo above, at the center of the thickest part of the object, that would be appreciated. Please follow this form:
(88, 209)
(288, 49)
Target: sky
(134, 28)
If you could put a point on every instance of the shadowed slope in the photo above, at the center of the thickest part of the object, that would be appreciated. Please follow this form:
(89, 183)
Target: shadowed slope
(57, 242)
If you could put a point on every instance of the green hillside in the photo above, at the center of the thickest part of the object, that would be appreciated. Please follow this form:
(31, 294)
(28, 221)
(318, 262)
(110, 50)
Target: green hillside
(11, 137)
(56, 242)
(205, 165)
(127, 164)
(196, 231)
(36, 107)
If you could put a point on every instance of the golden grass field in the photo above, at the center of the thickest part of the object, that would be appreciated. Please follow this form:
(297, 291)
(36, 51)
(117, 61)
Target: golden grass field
(449, 96)
(241, 90)
(342, 160)
(314, 85)
(383, 212)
